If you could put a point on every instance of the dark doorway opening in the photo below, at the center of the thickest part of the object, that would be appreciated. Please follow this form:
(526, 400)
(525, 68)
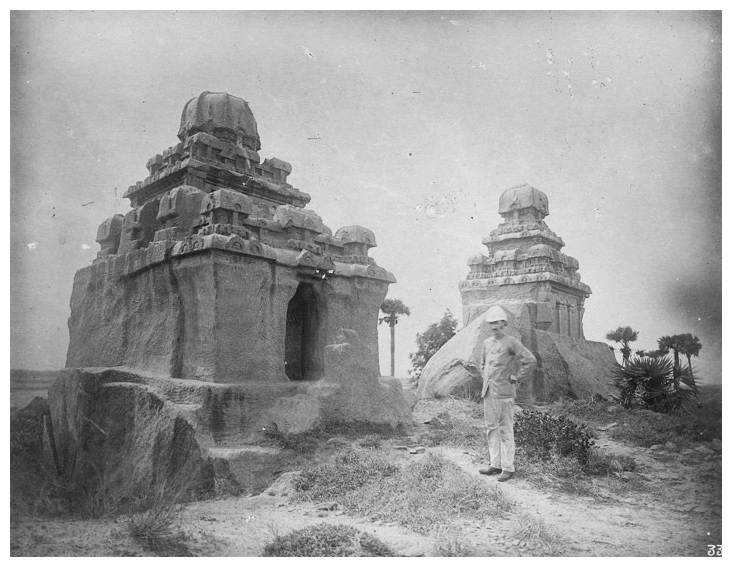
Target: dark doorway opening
(303, 352)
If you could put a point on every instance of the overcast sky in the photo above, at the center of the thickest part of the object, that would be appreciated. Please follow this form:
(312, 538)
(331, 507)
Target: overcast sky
(411, 124)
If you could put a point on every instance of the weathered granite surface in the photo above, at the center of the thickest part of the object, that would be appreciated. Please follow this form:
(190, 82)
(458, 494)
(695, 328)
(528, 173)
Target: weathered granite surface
(219, 273)
(566, 367)
(191, 432)
(115, 434)
(351, 391)
(218, 307)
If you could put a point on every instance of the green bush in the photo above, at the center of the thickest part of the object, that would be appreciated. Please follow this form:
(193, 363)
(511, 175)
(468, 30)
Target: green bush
(541, 435)
(327, 540)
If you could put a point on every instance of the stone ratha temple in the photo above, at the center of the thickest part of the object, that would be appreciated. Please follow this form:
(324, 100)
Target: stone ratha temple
(524, 263)
(218, 309)
(219, 273)
(524, 271)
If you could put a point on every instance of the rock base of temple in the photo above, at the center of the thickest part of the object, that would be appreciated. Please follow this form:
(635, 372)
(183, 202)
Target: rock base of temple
(126, 431)
(567, 367)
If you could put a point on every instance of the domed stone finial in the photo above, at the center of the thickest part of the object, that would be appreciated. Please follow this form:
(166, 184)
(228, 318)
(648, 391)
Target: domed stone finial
(523, 197)
(222, 115)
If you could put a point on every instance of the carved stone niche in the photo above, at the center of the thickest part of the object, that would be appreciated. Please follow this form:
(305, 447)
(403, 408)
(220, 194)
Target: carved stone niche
(280, 168)
(148, 222)
(178, 211)
(290, 217)
(130, 235)
(356, 240)
(139, 227)
(108, 235)
(225, 207)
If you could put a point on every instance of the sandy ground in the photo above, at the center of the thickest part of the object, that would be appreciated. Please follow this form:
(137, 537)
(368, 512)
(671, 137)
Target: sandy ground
(674, 508)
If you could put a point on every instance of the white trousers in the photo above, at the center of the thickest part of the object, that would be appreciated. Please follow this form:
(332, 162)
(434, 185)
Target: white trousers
(498, 414)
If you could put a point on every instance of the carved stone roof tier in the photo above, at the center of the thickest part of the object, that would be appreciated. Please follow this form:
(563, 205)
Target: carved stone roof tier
(514, 255)
(254, 179)
(222, 115)
(218, 150)
(277, 163)
(350, 234)
(173, 202)
(288, 215)
(213, 186)
(513, 279)
(228, 200)
(508, 231)
(523, 249)
(506, 255)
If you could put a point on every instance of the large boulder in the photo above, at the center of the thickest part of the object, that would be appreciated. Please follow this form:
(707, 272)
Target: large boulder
(569, 367)
(119, 438)
(566, 366)
(454, 370)
(125, 434)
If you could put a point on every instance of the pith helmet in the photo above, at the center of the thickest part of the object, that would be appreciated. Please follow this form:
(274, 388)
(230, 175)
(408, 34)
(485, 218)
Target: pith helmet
(495, 313)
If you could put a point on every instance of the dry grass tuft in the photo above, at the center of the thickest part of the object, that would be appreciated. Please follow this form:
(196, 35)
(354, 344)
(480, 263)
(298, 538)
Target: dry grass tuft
(449, 542)
(420, 493)
(534, 532)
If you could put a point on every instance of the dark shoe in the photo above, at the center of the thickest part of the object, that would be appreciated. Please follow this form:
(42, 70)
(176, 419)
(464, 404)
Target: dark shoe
(504, 476)
(489, 471)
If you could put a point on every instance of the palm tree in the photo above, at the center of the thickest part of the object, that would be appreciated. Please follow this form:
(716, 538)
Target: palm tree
(648, 382)
(392, 308)
(689, 346)
(673, 342)
(624, 336)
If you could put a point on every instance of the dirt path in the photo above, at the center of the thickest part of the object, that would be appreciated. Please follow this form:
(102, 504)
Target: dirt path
(634, 524)
(670, 506)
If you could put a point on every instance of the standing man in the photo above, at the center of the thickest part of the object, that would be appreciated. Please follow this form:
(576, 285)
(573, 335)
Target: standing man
(499, 356)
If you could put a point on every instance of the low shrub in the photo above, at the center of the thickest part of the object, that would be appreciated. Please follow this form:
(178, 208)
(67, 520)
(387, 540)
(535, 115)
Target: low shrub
(455, 431)
(308, 441)
(350, 470)
(641, 426)
(370, 441)
(540, 435)
(586, 410)
(158, 520)
(327, 540)
(602, 464)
